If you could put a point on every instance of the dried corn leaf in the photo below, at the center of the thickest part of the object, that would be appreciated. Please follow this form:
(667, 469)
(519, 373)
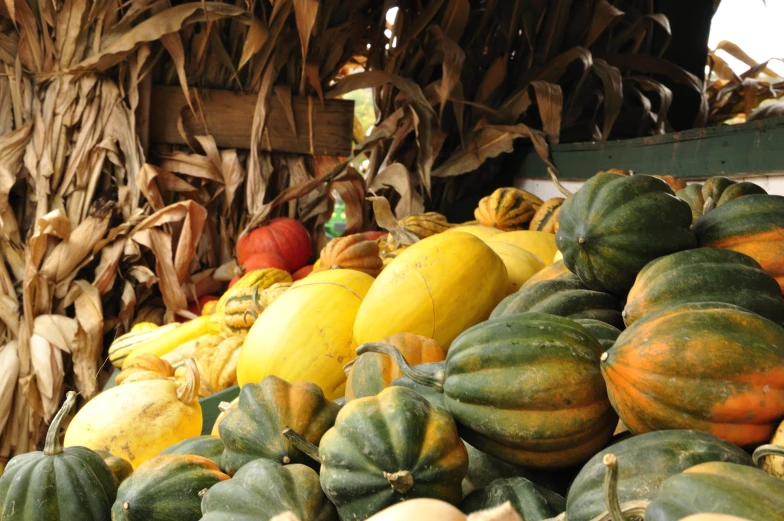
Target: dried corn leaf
(9, 361)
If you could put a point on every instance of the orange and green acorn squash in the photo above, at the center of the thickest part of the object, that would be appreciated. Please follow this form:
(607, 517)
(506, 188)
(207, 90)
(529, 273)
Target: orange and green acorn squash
(703, 198)
(644, 462)
(253, 429)
(57, 484)
(556, 270)
(720, 488)
(568, 298)
(532, 502)
(711, 367)
(120, 467)
(371, 373)
(519, 402)
(263, 489)
(753, 225)
(704, 275)
(166, 488)
(210, 447)
(388, 448)
(507, 209)
(602, 331)
(615, 225)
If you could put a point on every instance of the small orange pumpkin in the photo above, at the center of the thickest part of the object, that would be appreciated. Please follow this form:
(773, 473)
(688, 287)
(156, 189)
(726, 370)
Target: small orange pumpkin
(353, 252)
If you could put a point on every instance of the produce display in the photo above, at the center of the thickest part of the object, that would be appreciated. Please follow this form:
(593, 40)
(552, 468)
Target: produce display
(615, 355)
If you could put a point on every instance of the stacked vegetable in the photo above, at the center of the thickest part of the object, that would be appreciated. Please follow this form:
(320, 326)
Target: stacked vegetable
(442, 367)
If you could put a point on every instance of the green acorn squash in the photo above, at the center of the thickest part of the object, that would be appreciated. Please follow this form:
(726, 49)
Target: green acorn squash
(616, 224)
(428, 393)
(753, 225)
(166, 488)
(644, 462)
(533, 503)
(704, 275)
(388, 448)
(263, 489)
(253, 429)
(57, 484)
(721, 488)
(210, 447)
(604, 332)
(715, 192)
(708, 366)
(568, 298)
(515, 400)
(556, 270)
(121, 468)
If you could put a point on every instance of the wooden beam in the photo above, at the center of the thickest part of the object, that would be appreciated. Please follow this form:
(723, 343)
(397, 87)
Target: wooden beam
(321, 129)
(745, 150)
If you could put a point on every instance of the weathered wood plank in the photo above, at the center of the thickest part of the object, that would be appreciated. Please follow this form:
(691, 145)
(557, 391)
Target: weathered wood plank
(747, 150)
(229, 116)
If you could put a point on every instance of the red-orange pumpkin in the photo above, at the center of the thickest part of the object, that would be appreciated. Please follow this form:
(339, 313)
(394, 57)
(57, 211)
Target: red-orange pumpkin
(375, 234)
(301, 273)
(285, 236)
(265, 259)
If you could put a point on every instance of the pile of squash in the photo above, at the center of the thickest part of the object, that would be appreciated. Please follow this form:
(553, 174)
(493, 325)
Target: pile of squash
(615, 355)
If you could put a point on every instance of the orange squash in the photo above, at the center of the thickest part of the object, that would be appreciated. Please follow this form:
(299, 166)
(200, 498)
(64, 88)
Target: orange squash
(507, 209)
(353, 252)
(371, 373)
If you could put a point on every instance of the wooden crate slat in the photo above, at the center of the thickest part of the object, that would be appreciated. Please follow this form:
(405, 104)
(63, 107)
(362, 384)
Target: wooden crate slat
(229, 117)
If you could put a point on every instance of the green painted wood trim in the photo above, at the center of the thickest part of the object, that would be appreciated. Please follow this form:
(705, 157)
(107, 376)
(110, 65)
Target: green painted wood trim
(209, 404)
(749, 149)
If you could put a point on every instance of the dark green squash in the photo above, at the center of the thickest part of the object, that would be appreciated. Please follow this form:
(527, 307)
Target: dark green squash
(533, 503)
(253, 429)
(166, 488)
(57, 484)
(121, 468)
(604, 332)
(716, 191)
(719, 488)
(524, 388)
(210, 447)
(704, 275)
(753, 225)
(262, 489)
(568, 298)
(692, 195)
(428, 393)
(644, 462)
(616, 224)
(388, 448)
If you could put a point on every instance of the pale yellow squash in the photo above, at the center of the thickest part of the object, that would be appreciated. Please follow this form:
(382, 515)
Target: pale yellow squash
(477, 230)
(436, 510)
(136, 421)
(306, 334)
(713, 517)
(521, 264)
(558, 256)
(541, 244)
(774, 465)
(438, 288)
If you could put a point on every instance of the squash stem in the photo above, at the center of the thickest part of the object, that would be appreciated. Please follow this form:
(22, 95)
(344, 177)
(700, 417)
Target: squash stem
(304, 446)
(188, 392)
(561, 188)
(611, 487)
(767, 450)
(402, 481)
(52, 446)
(435, 381)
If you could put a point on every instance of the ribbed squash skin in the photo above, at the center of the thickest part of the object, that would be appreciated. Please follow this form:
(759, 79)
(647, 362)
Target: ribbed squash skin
(263, 489)
(644, 462)
(242, 309)
(166, 488)
(719, 487)
(602, 331)
(125, 344)
(353, 252)
(422, 291)
(711, 367)
(121, 468)
(532, 502)
(373, 372)
(704, 275)
(210, 447)
(428, 393)
(615, 225)
(556, 270)
(484, 469)
(566, 298)
(311, 323)
(703, 198)
(377, 436)
(673, 182)
(546, 217)
(253, 429)
(507, 209)
(520, 264)
(57, 484)
(256, 279)
(753, 225)
(426, 224)
(542, 408)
